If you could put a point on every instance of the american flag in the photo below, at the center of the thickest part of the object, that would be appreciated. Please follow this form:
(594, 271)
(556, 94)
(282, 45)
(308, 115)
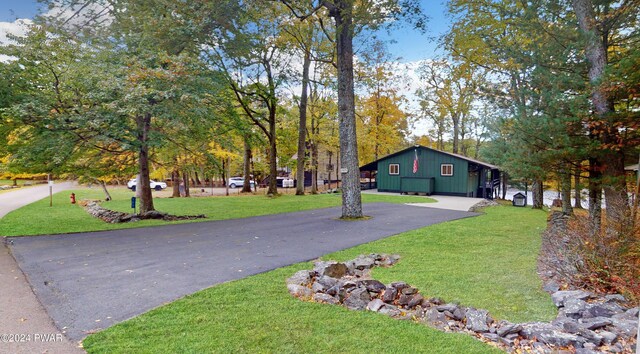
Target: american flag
(415, 161)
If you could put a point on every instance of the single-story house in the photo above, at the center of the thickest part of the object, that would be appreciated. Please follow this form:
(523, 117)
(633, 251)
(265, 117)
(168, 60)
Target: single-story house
(420, 169)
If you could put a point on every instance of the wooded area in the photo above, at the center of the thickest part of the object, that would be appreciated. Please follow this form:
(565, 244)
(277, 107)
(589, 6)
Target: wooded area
(547, 90)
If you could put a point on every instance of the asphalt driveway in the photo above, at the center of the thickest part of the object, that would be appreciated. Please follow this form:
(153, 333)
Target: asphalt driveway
(90, 281)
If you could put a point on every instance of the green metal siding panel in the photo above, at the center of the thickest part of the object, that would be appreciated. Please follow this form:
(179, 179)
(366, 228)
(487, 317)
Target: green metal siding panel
(417, 185)
(429, 167)
(384, 180)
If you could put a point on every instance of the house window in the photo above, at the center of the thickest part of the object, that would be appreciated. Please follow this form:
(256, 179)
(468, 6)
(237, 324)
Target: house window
(446, 169)
(394, 169)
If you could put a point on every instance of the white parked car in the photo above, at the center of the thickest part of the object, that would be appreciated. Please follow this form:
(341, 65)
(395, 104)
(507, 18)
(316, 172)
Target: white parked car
(154, 185)
(237, 182)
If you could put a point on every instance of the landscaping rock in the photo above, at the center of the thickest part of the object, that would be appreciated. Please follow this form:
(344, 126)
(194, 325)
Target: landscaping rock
(404, 300)
(94, 208)
(447, 307)
(336, 270)
(373, 285)
(508, 328)
(608, 338)
(551, 287)
(590, 336)
(435, 317)
(399, 285)
(595, 322)
(318, 288)
(482, 204)
(458, 314)
(389, 295)
(409, 291)
(390, 260)
(301, 277)
(364, 262)
(559, 297)
(325, 298)
(389, 310)
(630, 314)
(585, 323)
(327, 281)
(299, 291)
(477, 320)
(603, 310)
(624, 327)
(358, 299)
(574, 307)
(549, 334)
(375, 305)
(491, 336)
(415, 301)
(615, 298)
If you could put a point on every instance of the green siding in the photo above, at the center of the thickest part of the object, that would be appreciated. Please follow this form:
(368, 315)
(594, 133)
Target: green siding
(417, 185)
(429, 166)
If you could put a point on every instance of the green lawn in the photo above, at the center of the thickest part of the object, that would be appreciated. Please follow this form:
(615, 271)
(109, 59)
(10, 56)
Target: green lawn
(486, 262)
(40, 219)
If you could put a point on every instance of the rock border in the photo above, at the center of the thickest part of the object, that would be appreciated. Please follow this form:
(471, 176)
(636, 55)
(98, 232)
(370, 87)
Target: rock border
(586, 323)
(477, 207)
(94, 208)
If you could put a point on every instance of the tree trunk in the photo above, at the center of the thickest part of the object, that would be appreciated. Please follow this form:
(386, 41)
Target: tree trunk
(197, 179)
(615, 188)
(505, 181)
(107, 196)
(577, 188)
(225, 175)
(175, 180)
(342, 12)
(246, 167)
(613, 161)
(143, 123)
(302, 127)
(273, 160)
(595, 195)
(456, 132)
(330, 170)
(185, 178)
(537, 193)
(314, 168)
(565, 186)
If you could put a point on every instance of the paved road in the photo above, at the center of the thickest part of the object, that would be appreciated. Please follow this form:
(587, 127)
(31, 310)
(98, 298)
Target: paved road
(20, 311)
(18, 198)
(93, 280)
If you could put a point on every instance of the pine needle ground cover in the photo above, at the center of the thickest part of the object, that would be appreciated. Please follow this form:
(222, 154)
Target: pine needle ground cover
(487, 262)
(40, 219)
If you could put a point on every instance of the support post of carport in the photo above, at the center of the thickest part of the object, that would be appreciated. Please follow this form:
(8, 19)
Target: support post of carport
(483, 182)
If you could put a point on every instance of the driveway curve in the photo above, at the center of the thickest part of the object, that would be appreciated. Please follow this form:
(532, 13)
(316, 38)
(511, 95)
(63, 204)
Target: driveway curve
(91, 281)
(18, 198)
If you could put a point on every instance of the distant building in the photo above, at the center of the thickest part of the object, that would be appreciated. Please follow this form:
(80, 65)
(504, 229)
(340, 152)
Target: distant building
(420, 169)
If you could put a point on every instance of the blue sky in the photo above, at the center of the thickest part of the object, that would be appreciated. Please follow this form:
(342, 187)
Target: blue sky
(410, 44)
(10, 10)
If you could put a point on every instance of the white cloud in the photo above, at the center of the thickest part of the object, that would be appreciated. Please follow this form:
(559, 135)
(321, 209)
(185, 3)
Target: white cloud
(18, 28)
(79, 15)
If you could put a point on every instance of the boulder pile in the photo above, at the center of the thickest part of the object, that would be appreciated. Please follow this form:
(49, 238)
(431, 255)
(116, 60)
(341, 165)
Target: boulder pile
(586, 322)
(94, 208)
(476, 208)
